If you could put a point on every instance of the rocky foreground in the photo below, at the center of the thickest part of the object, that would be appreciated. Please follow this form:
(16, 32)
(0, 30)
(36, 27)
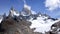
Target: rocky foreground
(14, 26)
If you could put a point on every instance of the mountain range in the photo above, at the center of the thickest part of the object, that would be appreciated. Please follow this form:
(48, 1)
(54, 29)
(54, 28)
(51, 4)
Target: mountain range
(28, 22)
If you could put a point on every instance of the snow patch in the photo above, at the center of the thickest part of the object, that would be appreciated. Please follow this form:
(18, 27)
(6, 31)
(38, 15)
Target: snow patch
(42, 25)
(1, 19)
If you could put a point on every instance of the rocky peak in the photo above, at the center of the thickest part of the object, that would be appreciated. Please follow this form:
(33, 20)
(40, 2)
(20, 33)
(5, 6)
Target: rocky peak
(13, 12)
(26, 10)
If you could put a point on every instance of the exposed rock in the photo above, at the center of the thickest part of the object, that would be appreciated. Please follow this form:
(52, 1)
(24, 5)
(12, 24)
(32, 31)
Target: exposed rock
(55, 28)
(12, 26)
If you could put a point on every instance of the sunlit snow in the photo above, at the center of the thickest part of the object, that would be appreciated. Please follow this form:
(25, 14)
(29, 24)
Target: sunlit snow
(14, 13)
(1, 19)
(42, 25)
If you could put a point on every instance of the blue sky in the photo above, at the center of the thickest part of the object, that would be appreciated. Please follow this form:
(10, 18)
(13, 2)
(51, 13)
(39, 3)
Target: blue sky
(50, 7)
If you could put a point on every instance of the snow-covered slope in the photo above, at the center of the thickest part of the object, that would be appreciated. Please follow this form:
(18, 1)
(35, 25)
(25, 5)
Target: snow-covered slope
(42, 23)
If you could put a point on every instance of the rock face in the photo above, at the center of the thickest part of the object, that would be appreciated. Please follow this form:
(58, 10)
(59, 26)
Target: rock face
(15, 26)
(55, 28)
(13, 12)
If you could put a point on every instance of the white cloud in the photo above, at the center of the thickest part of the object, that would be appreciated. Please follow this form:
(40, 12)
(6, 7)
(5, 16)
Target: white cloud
(52, 4)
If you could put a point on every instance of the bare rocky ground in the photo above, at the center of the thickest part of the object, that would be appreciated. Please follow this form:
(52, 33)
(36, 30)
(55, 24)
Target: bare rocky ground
(15, 26)
(56, 28)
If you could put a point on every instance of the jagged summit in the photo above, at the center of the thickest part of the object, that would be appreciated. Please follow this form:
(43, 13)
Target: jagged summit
(27, 7)
(26, 10)
(13, 12)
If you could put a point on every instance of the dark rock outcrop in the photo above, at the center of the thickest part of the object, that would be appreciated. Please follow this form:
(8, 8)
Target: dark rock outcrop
(56, 28)
(12, 26)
